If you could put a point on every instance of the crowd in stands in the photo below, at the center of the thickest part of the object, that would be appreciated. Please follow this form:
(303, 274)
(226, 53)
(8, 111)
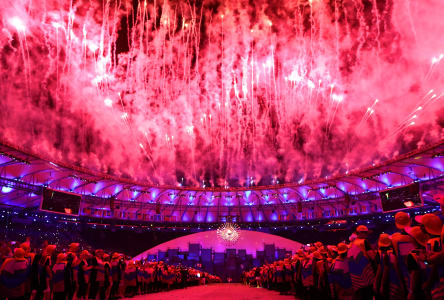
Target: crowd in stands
(65, 274)
(408, 264)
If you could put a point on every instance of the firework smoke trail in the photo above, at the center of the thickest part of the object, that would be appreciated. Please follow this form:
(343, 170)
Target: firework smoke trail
(220, 93)
(368, 113)
(20, 28)
(410, 120)
(435, 62)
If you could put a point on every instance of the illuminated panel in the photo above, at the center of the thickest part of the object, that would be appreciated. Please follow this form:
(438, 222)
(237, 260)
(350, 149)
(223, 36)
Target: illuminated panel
(60, 202)
(399, 198)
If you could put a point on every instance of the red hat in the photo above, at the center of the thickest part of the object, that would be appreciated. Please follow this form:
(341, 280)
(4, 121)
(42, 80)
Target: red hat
(362, 228)
(432, 223)
(300, 253)
(332, 248)
(402, 220)
(384, 240)
(49, 250)
(25, 246)
(317, 255)
(61, 257)
(19, 253)
(323, 251)
(318, 245)
(74, 247)
(342, 248)
(85, 254)
(419, 236)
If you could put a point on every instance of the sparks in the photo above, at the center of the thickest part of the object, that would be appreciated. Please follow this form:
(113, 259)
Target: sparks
(108, 102)
(18, 24)
(222, 93)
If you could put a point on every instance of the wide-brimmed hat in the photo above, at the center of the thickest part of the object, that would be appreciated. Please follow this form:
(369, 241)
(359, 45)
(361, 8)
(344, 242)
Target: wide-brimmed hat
(49, 250)
(85, 253)
(342, 248)
(323, 251)
(317, 255)
(384, 240)
(432, 223)
(74, 247)
(396, 235)
(25, 246)
(362, 229)
(419, 236)
(318, 245)
(19, 253)
(300, 253)
(332, 248)
(61, 257)
(402, 220)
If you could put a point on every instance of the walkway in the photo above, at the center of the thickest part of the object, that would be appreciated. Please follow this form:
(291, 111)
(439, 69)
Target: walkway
(222, 291)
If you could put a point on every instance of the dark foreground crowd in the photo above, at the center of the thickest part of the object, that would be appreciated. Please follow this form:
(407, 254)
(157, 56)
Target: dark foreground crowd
(408, 264)
(74, 274)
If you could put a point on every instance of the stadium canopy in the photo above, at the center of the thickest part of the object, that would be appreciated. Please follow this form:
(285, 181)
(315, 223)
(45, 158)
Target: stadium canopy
(23, 175)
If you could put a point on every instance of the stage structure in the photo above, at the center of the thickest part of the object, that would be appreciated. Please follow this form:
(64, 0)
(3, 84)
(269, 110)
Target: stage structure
(252, 242)
(205, 250)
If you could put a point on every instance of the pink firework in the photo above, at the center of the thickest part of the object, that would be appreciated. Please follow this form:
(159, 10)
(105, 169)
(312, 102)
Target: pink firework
(221, 93)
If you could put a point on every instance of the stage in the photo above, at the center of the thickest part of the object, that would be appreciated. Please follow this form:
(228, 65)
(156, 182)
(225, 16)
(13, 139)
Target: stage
(222, 291)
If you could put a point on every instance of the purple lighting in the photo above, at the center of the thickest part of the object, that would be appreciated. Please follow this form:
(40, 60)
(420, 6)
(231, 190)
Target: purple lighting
(385, 179)
(210, 217)
(6, 189)
(274, 216)
(98, 186)
(438, 165)
(117, 189)
(259, 217)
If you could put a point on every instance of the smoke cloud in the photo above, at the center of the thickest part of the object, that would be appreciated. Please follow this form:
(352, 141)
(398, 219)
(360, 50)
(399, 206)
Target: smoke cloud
(221, 93)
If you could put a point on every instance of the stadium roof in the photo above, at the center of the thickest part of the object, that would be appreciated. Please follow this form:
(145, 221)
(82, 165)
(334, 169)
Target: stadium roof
(23, 174)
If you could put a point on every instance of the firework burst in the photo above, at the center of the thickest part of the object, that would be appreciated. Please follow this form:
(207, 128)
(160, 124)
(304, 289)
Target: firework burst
(221, 93)
(229, 233)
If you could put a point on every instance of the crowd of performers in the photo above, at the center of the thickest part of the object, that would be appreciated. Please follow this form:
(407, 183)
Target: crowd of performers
(409, 264)
(74, 274)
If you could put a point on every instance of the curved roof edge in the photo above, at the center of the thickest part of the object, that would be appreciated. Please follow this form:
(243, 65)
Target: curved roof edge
(439, 147)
